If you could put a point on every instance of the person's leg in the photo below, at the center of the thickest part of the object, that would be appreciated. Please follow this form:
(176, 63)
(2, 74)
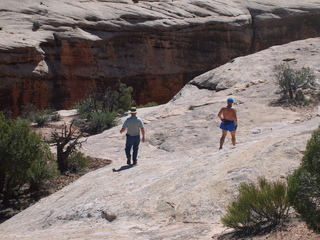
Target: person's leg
(223, 137)
(129, 143)
(135, 149)
(233, 137)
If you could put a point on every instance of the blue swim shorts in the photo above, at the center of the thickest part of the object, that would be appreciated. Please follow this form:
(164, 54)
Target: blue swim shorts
(228, 125)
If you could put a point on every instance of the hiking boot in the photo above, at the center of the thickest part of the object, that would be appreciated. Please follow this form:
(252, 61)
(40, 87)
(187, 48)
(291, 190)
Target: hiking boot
(128, 160)
(135, 162)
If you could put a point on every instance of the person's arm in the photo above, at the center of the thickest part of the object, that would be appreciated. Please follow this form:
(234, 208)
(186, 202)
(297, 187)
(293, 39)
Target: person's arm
(143, 134)
(235, 120)
(124, 126)
(220, 115)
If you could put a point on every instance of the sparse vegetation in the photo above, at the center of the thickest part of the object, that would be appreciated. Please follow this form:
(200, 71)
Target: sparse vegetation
(304, 184)
(267, 204)
(258, 206)
(55, 117)
(100, 121)
(42, 117)
(293, 82)
(149, 104)
(101, 107)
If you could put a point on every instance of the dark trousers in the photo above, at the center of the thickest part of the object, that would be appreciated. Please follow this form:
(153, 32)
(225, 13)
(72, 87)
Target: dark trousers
(132, 142)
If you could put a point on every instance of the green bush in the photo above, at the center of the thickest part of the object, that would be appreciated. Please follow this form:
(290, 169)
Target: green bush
(77, 162)
(123, 97)
(101, 107)
(258, 206)
(290, 80)
(25, 160)
(304, 184)
(43, 169)
(42, 117)
(101, 121)
(86, 107)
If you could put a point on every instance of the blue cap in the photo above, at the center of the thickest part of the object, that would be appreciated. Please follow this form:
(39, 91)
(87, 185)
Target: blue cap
(230, 100)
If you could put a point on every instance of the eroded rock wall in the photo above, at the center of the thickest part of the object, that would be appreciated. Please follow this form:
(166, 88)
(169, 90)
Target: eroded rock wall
(156, 47)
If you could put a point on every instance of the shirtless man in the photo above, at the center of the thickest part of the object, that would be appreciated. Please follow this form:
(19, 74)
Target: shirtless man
(228, 116)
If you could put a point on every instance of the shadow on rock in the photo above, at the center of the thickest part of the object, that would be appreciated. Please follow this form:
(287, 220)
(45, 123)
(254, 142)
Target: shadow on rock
(122, 168)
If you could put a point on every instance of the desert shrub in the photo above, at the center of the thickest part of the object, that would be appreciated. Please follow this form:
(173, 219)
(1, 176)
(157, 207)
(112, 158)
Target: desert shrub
(25, 160)
(258, 206)
(304, 184)
(42, 117)
(291, 81)
(55, 117)
(77, 161)
(101, 121)
(86, 107)
(43, 169)
(101, 107)
(300, 96)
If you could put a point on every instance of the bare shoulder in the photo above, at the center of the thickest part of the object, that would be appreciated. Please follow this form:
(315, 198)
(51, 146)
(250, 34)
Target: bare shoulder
(233, 110)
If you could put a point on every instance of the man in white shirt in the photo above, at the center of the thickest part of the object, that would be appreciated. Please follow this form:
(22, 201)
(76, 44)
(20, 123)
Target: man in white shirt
(133, 125)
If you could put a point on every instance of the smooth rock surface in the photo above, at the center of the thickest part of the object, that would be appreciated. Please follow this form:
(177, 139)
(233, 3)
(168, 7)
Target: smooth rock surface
(183, 182)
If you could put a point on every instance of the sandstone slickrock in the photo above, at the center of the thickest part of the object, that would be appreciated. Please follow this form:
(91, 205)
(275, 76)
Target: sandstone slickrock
(183, 182)
(51, 52)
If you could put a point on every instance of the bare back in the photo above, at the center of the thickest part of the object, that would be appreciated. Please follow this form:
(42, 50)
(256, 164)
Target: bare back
(228, 113)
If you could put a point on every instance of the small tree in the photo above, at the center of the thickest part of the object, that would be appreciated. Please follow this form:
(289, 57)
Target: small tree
(123, 98)
(304, 184)
(25, 160)
(290, 80)
(67, 142)
(258, 206)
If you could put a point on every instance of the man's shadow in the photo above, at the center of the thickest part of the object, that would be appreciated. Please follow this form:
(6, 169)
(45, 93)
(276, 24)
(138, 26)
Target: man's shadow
(125, 167)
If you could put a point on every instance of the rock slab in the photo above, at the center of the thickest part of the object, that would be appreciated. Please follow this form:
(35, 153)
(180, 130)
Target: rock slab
(183, 182)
